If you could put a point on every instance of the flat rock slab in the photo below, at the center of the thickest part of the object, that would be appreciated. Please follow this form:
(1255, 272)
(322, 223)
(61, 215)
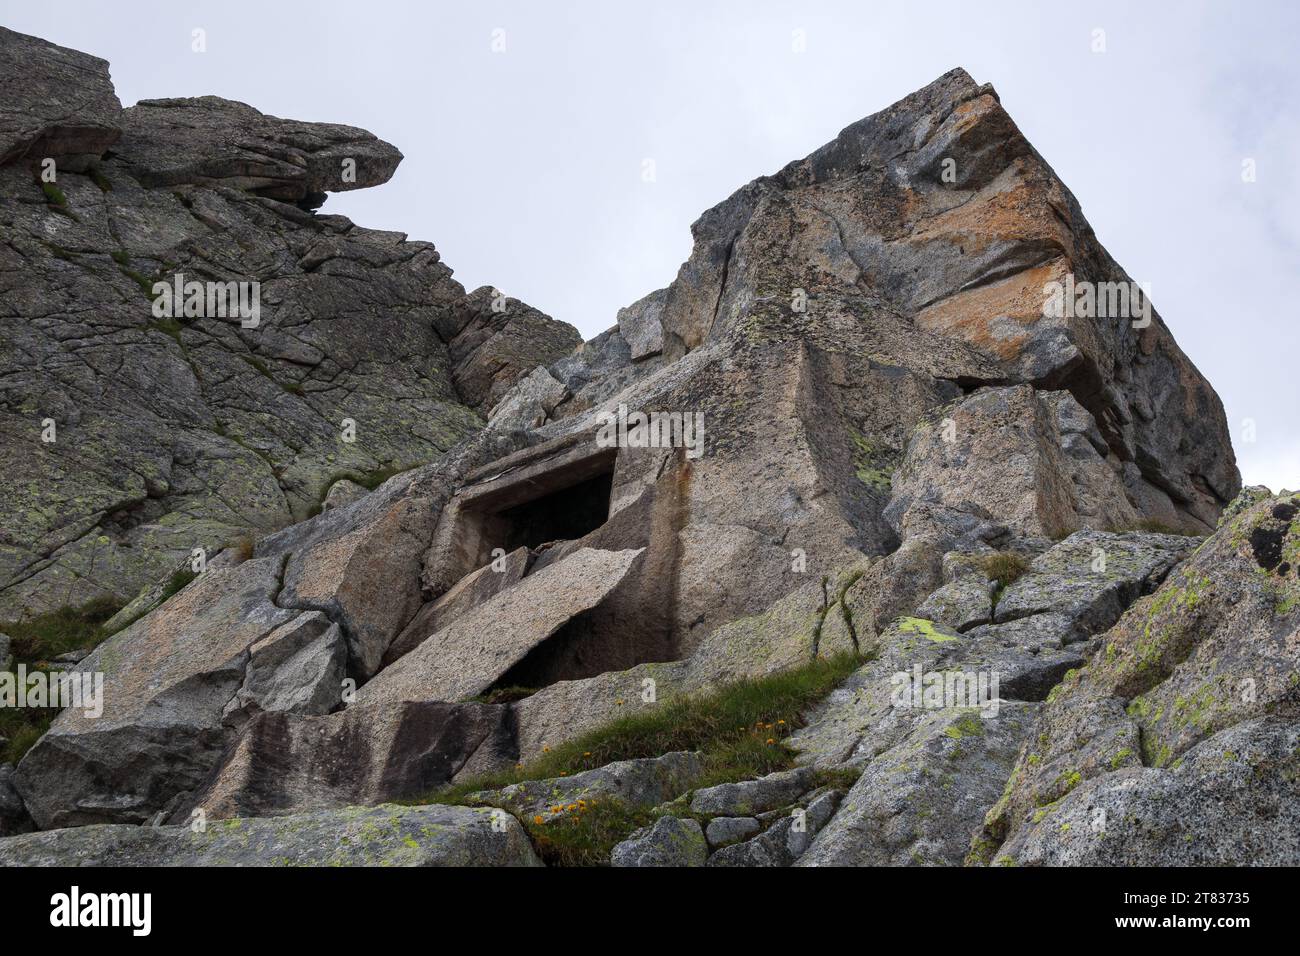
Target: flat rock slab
(466, 594)
(377, 836)
(469, 655)
(644, 782)
(753, 796)
(1092, 576)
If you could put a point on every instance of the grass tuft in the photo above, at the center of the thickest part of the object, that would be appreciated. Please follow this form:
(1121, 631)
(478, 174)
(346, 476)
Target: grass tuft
(586, 835)
(739, 729)
(243, 546)
(36, 641)
(1004, 567)
(1156, 526)
(48, 635)
(503, 695)
(177, 581)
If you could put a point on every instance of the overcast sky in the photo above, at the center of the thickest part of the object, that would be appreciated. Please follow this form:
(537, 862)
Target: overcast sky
(524, 166)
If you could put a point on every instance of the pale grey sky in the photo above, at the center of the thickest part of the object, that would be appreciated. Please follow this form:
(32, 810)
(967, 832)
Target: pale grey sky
(524, 166)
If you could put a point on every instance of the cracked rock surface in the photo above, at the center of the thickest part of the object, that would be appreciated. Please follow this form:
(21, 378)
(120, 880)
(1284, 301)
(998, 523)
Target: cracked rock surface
(479, 578)
(177, 432)
(370, 836)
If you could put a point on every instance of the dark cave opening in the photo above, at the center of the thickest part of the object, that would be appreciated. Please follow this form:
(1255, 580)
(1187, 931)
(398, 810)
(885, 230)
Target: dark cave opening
(563, 515)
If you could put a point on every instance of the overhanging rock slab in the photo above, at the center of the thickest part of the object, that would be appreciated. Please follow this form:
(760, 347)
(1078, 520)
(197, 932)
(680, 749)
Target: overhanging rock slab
(469, 655)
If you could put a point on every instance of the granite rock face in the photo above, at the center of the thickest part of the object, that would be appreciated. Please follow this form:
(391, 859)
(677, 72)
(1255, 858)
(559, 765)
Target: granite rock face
(1001, 451)
(1176, 744)
(965, 256)
(172, 432)
(917, 803)
(445, 537)
(499, 342)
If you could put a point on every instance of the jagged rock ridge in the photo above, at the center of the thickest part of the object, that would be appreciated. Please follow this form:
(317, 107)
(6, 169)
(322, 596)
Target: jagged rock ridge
(181, 432)
(887, 408)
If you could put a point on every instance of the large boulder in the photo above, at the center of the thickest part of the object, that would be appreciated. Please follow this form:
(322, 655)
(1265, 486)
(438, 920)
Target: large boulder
(367, 754)
(669, 841)
(167, 682)
(356, 836)
(1176, 744)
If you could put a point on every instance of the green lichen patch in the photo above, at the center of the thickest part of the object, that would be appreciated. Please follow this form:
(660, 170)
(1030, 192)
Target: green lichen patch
(873, 463)
(967, 725)
(924, 628)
